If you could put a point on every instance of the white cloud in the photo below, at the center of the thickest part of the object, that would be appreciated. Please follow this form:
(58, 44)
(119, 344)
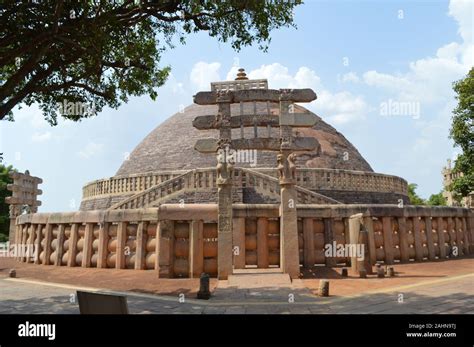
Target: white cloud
(202, 74)
(463, 12)
(338, 108)
(41, 137)
(350, 77)
(90, 150)
(175, 86)
(278, 76)
(341, 108)
(232, 74)
(429, 80)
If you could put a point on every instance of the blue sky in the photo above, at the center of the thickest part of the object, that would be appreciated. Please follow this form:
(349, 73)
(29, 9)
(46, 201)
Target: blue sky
(356, 55)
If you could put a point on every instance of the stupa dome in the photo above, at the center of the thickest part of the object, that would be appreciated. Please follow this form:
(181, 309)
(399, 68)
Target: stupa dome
(170, 146)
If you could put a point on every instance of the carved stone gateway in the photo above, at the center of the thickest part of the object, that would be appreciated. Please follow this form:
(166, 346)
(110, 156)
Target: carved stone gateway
(24, 194)
(286, 144)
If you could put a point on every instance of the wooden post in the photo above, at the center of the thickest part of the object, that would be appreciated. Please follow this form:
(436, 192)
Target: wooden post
(47, 244)
(441, 240)
(39, 236)
(103, 246)
(417, 237)
(369, 225)
(196, 249)
(328, 240)
(388, 239)
(239, 242)
(73, 246)
(60, 245)
(429, 238)
(141, 245)
(262, 242)
(121, 242)
(308, 237)
(87, 251)
(403, 236)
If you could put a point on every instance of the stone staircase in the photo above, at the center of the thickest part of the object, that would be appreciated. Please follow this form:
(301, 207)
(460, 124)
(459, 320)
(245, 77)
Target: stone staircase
(269, 185)
(193, 180)
(153, 195)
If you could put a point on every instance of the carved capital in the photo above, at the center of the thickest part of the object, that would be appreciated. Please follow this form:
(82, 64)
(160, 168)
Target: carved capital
(225, 96)
(286, 168)
(225, 163)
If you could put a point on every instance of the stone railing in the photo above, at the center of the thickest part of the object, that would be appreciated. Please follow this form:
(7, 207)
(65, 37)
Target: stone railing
(130, 184)
(349, 180)
(187, 237)
(314, 179)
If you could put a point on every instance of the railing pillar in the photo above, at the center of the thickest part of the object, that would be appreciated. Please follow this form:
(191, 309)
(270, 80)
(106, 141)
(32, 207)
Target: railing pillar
(73, 245)
(308, 236)
(196, 249)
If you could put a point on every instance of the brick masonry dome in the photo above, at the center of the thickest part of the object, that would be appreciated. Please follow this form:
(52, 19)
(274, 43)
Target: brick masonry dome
(170, 146)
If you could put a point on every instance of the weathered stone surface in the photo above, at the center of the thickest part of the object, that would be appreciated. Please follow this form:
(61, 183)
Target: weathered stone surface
(209, 121)
(171, 145)
(260, 144)
(295, 95)
(303, 119)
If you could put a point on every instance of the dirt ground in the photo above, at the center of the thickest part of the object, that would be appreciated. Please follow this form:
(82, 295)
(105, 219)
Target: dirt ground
(406, 274)
(145, 281)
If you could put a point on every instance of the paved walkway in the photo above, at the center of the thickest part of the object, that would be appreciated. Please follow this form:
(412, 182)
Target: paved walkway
(447, 295)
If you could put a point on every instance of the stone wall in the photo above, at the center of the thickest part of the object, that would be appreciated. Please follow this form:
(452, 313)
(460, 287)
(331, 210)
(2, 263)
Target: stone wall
(186, 244)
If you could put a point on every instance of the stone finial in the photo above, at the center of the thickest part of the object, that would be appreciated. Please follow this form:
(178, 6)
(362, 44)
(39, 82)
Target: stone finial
(241, 75)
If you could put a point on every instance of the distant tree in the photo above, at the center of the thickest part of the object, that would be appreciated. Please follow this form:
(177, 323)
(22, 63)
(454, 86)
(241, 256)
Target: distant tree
(462, 132)
(436, 200)
(413, 196)
(89, 54)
